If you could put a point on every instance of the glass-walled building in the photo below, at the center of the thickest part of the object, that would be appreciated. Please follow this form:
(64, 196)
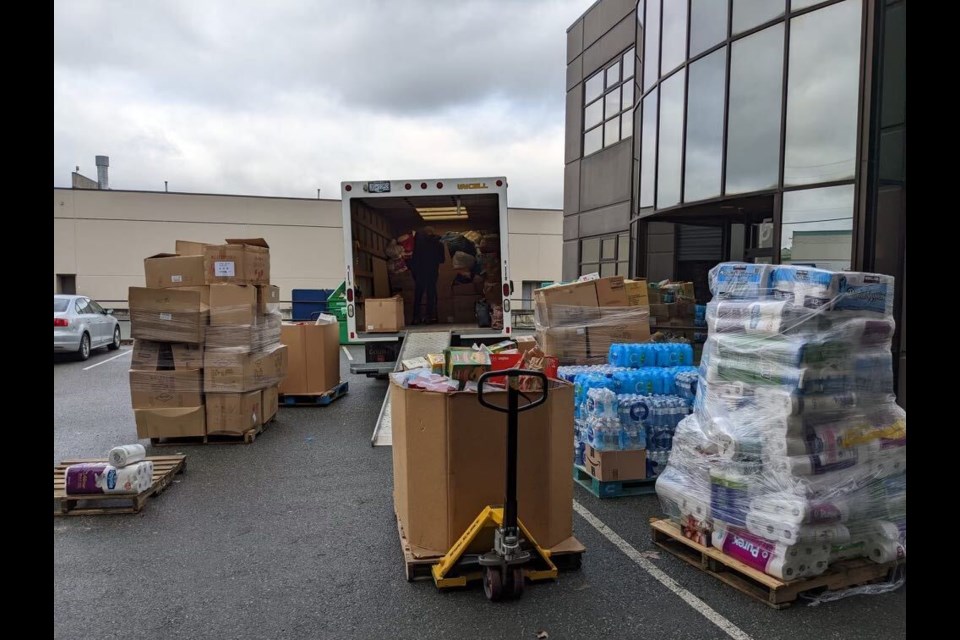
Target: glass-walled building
(760, 130)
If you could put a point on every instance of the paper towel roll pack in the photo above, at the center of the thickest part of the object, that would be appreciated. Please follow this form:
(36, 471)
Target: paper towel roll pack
(795, 453)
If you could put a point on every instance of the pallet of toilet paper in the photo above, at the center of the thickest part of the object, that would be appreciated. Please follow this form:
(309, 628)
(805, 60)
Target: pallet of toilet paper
(794, 457)
(578, 322)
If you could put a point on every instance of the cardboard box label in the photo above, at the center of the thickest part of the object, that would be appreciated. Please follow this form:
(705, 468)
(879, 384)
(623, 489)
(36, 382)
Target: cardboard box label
(176, 278)
(225, 268)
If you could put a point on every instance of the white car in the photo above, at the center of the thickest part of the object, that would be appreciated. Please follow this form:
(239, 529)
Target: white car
(80, 324)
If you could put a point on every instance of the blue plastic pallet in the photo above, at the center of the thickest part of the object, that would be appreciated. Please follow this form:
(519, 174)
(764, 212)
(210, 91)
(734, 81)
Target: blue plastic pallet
(314, 399)
(613, 488)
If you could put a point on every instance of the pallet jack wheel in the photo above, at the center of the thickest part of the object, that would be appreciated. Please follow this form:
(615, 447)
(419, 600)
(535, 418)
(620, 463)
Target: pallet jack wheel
(518, 582)
(492, 584)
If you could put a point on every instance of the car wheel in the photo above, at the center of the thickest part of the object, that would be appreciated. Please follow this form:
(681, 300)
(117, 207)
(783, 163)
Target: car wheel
(113, 346)
(84, 352)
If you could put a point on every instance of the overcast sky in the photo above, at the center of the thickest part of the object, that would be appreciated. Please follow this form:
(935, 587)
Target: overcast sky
(279, 98)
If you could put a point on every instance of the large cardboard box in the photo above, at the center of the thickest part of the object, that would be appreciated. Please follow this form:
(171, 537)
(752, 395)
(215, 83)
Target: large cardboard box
(567, 305)
(240, 372)
(637, 293)
(166, 315)
(165, 356)
(449, 457)
(232, 304)
(190, 248)
(171, 423)
(601, 336)
(313, 357)
(615, 465)
(569, 344)
(270, 403)
(234, 413)
(268, 297)
(159, 389)
(239, 261)
(245, 338)
(383, 315)
(168, 270)
(612, 292)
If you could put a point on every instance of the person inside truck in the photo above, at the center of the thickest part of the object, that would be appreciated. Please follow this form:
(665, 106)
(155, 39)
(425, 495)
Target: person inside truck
(425, 268)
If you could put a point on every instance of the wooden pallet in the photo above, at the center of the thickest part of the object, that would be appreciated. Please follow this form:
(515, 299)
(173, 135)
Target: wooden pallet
(758, 585)
(219, 438)
(612, 488)
(164, 469)
(566, 556)
(314, 399)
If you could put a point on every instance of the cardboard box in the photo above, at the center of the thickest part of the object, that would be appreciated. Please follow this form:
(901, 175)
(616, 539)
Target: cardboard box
(239, 261)
(190, 248)
(246, 338)
(567, 305)
(465, 364)
(436, 362)
(165, 356)
(637, 294)
(168, 270)
(159, 389)
(232, 304)
(268, 297)
(612, 292)
(600, 337)
(661, 312)
(270, 403)
(241, 372)
(415, 363)
(682, 311)
(171, 423)
(449, 457)
(313, 353)
(525, 343)
(566, 343)
(615, 465)
(384, 315)
(166, 315)
(234, 413)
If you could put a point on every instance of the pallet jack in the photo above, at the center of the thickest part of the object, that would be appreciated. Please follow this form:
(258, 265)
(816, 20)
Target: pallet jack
(512, 555)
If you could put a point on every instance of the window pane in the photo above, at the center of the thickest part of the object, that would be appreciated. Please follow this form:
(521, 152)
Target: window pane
(592, 141)
(623, 269)
(822, 95)
(708, 24)
(817, 227)
(613, 74)
(648, 149)
(594, 88)
(802, 4)
(629, 60)
(608, 249)
(752, 13)
(95, 308)
(623, 247)
(674, 35)
(608, 269)
(613, 103)
(611, 132)
(626, 101)
(651, 44)
(753, 129)
(590, 250)
(626, 125)
(593, 114)
(705, 127)
(589, 268)
(671, 140)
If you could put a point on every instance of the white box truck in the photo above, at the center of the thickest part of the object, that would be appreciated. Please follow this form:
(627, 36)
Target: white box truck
(380, 222)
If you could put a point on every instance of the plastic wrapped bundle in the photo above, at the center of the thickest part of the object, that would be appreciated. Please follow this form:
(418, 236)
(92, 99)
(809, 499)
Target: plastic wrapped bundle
(795, 454)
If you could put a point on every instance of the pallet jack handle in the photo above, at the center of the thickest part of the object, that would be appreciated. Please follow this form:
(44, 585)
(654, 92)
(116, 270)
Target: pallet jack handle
(513, 410)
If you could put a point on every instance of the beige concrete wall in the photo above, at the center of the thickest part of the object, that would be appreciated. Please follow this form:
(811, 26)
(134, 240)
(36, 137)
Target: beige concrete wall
(103, 236)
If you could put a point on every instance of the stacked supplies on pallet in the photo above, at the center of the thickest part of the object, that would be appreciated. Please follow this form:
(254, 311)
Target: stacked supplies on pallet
(578, 322)
(795, 455)
(125, 473)
(207, 355)
(632, 404)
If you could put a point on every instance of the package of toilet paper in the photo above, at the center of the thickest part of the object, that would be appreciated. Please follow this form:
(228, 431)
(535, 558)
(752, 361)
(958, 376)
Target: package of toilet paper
(794, 455)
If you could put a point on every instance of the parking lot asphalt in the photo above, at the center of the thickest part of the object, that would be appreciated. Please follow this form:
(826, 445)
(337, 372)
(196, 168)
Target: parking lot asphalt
(294, 536)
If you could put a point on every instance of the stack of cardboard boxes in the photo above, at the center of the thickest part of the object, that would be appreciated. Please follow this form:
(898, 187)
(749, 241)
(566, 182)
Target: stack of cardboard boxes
(207, 355)
(578, 322)
(672, 304)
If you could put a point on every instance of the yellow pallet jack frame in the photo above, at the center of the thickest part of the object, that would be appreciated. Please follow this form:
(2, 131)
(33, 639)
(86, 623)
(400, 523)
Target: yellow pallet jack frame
(515, 555)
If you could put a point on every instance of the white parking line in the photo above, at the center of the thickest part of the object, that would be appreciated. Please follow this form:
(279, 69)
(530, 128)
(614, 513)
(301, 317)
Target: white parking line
(346, 352)
(699, 605)
(125, 353)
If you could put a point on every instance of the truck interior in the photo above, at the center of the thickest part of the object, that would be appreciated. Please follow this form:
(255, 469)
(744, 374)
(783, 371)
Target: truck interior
(383, 229)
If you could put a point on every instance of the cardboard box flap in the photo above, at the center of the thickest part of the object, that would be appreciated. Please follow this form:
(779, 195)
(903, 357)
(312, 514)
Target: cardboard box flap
(163, 255)
(254, 242)
(191, 248)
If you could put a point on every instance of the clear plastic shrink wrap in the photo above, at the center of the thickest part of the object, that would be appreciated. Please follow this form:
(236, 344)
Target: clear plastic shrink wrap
(794, 456)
